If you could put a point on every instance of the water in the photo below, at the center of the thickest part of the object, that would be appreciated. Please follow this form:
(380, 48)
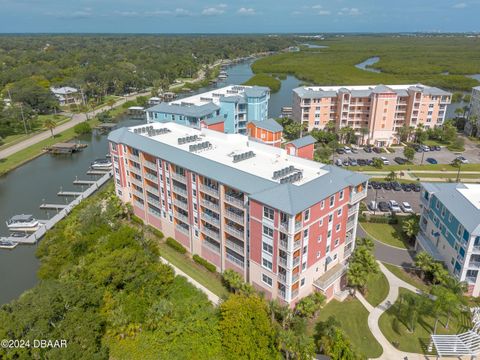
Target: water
(370, 61)
(474, 76)
(313, 46)
(25, 188)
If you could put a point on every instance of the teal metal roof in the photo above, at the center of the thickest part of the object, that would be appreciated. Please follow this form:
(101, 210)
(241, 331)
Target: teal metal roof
(269, 124)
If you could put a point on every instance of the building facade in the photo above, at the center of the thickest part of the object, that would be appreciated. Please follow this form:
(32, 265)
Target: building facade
(450, 229)
(285, 223)
(472, 126)
(268, 131)
(236, 105)
(375, 112)
(67, 95)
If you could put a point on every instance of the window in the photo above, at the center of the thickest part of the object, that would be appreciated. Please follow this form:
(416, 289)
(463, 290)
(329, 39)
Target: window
(341, 195)
(267, 264)
(437, 205)
(195, 206)
(339, 212)
(318, 254)
(327, 250)
(305, 249)
(337, 242)
(268, 231)
(194, 178)
(268, 213)
(196, 233)
(322, 205)
(460, 230)
(329, 234)
(330, 218)
(320, 223)
(335, 257)
(337, 228)
(319, 240)
(267, 280)
(302, 282)
(332, 200)
(306, 215)
(450, 217)
(305, 233)
(194, 192)
(267, 248)
(304, 266)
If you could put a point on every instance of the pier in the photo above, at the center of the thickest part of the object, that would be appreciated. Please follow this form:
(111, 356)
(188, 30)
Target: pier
(69, 193)
(97, 172)
(65, 148)
(83, 182)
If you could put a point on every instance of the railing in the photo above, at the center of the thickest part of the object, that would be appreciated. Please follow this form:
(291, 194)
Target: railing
(152, 189)
(324, 283)
(234, 246)
(134, 157)
(181, 217)
(352, 210)
(298, 225)
(296, 261)
(138, 203)
(210, 205)
(233, 216)
(181, 204)
(210, 219)
(213, 234)
(474, 264)
(233, 231)
(283, 244)
(153, 201)
(282, 278)
(180, 191)
(182, 229)
(356, 197)
(297, 244)
(282, 294)
(350, 224)
(178, 177)
(212, 246)
(233, 200)
(150, 165)
(138, 193)
(476, 248)
(152, 177)
(282, 261)
(135, 170)
(154, 212)
(294, 293)
(295, 278)
(136, 181)
(283, 227)
(235, 260)
(209, 190)
(347, 252)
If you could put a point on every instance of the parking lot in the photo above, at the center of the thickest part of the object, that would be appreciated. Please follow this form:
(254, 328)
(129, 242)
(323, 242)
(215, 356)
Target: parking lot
(444, 156)
(413, 198)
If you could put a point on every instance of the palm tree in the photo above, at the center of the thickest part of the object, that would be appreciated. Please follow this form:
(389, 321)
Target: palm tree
(392, 176)
(424, 262)
(458, 164)
(364, 131)
(50, 124)
(410, 227)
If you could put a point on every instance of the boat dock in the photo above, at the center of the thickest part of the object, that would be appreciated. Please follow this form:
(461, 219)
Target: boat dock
(65, 148)
(63, 209)
(97, 172)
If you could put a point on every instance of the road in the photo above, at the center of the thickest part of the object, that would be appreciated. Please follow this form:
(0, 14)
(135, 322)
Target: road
(75, 119)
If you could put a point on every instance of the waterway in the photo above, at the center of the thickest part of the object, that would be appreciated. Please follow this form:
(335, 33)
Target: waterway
(370, 61)
(25, 188)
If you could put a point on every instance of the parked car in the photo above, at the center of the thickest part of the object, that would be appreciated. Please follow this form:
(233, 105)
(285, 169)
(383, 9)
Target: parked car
(347, 150)
(407, 187)
(340, 151)
(372, 205)
(431, 161)
(425, 148)
(352, 162)
(383, 206)
(387, 186)
(393, 206)
(400, 160)
(418, 148)
(345, 162)
(437, 148)
(396, 186)
(406, 208)
(462, 159)
(377, 150)
(354, 150)
(384, 160)
(416, 188)
(367, 149)
(369, 162)
(432, 147)
(376, 185)
(338, 162)
(361, 162)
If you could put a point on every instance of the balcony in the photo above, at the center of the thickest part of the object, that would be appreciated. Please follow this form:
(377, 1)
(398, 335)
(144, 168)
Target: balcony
(296, 261)
(138, 203)
(154, 212)
(352, 210)
(234, 201)
(294, 293)
(471, 279)
(328, 278)
(356, 197)
(282, 294)
(210, 219)
(181, 217)
(179, 177)
(283, 244)
(298, 225)
(133, 157)
(136, 181)
(180, 191)
(235, 247)
(209, 190)
(135, 170)
(295, 277)
(234, 231)
(182, 229)
(215, 235)
(282, 278)
(283, 226)
(474, 264)
(282, 262)
(297, 245)
(476, 249)
(151, 177)
(212, 247)
(234, 260)
(235, 217)
(152, 189)
(347, 252)
(150, 165)
(210, 205)
(137, 193)
(350, 224)
(181, 204)
(153, 201)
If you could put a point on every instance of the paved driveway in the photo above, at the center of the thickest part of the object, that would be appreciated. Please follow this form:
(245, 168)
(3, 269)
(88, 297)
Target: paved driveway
(399, 196)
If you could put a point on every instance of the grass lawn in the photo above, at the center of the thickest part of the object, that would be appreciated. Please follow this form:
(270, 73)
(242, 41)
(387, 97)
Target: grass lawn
(212, 281)
(418, 340)
(33, 151)
(386, 233)
(377, 289)
(408, 276)
(445, 176)
(353, 319)
(429, 167)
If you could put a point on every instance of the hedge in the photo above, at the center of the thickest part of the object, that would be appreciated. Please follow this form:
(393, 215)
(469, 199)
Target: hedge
(392, 220)
(155, 232)
(136, 220)
(209, 266)
(174, 244)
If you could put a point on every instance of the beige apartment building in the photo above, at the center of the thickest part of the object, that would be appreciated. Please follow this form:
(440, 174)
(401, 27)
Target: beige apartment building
(376, 112)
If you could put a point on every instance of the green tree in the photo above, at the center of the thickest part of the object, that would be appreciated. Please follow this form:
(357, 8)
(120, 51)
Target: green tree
(392, 176)
(361, 266)
(405, 132)
(410, 307)
(411, 226)
(309, 305)
(409, 153)
(458, 164)
(458, 112)
(449, 133)
(111, 103)
(377, 163)
(420, 134)
(246, 329)
(50, 124)
(424, 262)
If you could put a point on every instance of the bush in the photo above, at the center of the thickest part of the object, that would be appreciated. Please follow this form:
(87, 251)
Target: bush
(155, 232)
(392, 220)
(174, 244)
(137, 220)
(82, 128)
(207, 265)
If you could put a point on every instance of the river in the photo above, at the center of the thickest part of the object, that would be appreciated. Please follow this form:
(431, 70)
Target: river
(25, 188)
(370, 61)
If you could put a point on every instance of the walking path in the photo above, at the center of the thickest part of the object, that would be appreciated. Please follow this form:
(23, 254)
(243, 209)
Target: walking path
(211, 296)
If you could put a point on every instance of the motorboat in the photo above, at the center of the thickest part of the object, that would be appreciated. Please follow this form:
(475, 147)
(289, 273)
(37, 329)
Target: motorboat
(7, 244)
(101, 164)
(22, 223)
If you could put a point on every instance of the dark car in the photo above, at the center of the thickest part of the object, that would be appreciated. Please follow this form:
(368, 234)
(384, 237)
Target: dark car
(383, 206)
(340, 151)
(361, 162)
(400, 160)
(345, 162)
(418, 148)
(437, 148)
(377, 150)
(407, 187)
(367, 149)
(387, 186)
(432, 148)
(376, 185)
(416, 188)
(431, 161)
(395, 186)
(369, 162)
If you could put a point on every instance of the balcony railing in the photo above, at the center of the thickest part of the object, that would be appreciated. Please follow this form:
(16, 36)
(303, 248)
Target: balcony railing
(474, 264)
(210, 219)
(150, 165)
(282, 294)
(136, 181)
(235, 232)
(294, 294)
(296, 261)
(298, 225)
(135, 170)
(476, 249)
(283, 226)
(324, 281)
(154, 212)
(178, 177)
(282, 278)
(182, 229)
(350, 224)
(295, 278)
(232, 245)
(152, 177)
(235, 217)
(211, 246)
(181, 204)
(153, 201)
(213, 234)
(283, 244)
(352, 211)
(356, 197)
(152, 189)
(282, 262)
(210, 205)
(138, 193)
(471, 279)
(134, 157)
(233, 200)
(234, 260)
(180, 190)
(181, 217)
(209, 190)
(138, 203)
(297, 244)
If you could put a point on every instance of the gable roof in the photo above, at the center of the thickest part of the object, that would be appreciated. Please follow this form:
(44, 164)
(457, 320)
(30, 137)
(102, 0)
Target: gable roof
(268, 124)
(303, 141)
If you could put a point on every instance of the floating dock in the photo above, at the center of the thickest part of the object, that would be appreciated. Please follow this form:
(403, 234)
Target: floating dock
(65, 148)
(69, 193)
(97, 172)
(52, 206)
(83, 182)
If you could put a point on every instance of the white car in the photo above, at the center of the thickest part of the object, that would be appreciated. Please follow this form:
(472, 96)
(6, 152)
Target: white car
(347, 150)
(372, 206)
(462, 159)
(338, 162)
(384, 160)
(393, 205)
(406, 207)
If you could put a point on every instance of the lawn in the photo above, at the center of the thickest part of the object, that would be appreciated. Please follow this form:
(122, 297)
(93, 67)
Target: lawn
(377, 289)
(418, 340)
(352, 317)
(183, 262)
(446, 176)
(264, 80)
(386, 233)
(428, 167)
(408, 276)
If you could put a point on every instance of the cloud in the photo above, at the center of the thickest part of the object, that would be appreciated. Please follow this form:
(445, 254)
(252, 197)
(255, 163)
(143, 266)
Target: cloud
(77, 14)
(246, 11)
(323, 12)
(317, 7)
(296, 12)
(214, 10)
(181, 12)
(461, 5)
(349, 11)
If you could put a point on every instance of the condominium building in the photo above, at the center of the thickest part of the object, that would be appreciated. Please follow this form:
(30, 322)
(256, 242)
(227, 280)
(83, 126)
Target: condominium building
(472, 126)
(235, 105)
(285, 223)
(375, 112)
(450, 229)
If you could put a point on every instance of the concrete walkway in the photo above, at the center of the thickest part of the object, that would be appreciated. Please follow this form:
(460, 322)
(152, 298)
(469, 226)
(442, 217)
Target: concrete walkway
(211, 296)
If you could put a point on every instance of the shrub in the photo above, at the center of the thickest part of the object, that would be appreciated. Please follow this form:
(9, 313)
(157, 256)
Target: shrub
(137, 220)
(174, 244)
(207, 265)
(392, 220)
(82, 128)
(155, 232)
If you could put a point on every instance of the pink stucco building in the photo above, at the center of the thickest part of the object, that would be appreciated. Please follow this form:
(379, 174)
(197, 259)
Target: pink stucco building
(287, 224)
(375, 112)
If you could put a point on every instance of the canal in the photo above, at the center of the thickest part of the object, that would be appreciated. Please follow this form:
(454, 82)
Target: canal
(25, 188)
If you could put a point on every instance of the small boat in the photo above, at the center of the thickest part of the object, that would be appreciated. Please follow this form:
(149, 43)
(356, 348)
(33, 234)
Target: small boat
(22, 223)
(101, 164)
(7, 244)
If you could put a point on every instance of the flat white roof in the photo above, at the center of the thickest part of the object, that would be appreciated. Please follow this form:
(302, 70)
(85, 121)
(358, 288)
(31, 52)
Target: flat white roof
(471, 192)
(267, 158)
(213, 95)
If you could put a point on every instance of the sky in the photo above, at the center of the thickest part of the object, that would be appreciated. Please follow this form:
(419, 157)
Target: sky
(238, 16)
